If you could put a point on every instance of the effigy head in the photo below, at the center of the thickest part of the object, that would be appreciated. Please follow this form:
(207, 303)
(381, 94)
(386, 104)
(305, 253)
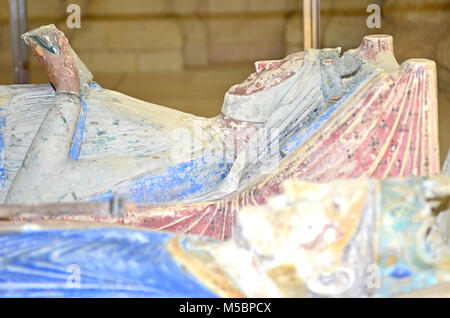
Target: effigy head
(264, 91)
(254, 99)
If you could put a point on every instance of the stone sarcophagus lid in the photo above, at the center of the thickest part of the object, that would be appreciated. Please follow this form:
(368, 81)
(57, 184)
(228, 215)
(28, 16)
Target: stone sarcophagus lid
(315, 116)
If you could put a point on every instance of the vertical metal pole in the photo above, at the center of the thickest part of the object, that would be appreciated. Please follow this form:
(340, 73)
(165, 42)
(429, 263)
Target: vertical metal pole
(13, 21)
(315, 24)
(307, 27)
(311, 24)
(22, 30)
(17, 21)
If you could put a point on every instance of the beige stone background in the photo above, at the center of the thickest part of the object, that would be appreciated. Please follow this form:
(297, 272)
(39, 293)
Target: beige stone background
(185, 54)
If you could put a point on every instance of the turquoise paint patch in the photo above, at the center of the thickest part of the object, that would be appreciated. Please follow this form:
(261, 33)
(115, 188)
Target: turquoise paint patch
(401, 269)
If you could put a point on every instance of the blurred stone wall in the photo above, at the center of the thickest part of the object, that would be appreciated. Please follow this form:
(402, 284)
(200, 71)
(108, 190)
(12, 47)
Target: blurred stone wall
(420, 28)
(129, 36)
(118, 36)
(343, 23)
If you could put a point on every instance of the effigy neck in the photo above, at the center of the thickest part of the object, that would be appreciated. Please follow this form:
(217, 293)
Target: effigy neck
(378, 49)
(373, 45)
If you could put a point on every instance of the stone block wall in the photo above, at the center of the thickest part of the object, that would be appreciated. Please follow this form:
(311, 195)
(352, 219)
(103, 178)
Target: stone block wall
(343, 23)
(118, 36)
(420, 28)
(133, 36)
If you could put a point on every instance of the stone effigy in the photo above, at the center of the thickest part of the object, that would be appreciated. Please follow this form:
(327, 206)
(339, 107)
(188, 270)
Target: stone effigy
(352, 238)
(161, 148)
(315, 115)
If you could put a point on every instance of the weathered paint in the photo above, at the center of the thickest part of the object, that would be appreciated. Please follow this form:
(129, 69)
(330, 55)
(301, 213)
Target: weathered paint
(407, 260)
(112, 263)
(112, 125)
(78, 136)
(2, 151)
(304, 132)
(384, 127)
(178, 182)
(153, 140)
(346, 238)
(5, 98)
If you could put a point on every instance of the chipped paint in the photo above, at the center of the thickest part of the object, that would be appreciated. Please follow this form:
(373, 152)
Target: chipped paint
(385, 125)
(346, 238)
(42, 260)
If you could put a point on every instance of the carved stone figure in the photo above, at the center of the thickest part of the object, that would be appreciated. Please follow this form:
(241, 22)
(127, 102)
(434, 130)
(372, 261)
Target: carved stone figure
(315, 116)
(119, 145)
(353, 238)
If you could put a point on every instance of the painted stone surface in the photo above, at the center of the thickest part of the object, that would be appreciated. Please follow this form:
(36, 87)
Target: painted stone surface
(349, 238)
(316, 116)
(42, 261)
(353, 238)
